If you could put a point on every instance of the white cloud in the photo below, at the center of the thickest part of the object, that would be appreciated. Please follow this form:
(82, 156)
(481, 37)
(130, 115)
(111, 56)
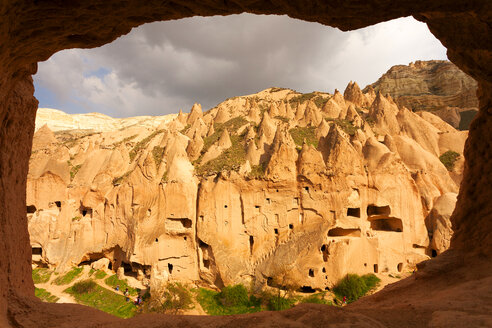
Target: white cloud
(161, 67)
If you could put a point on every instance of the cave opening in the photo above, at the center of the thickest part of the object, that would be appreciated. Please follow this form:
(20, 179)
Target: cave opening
(342, 232)
(355, 212)
(170, 268)
(31, 209)
(387, 224)
(378, 210)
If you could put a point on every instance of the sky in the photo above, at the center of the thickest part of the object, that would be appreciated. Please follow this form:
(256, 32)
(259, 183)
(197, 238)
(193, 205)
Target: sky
(159, 68)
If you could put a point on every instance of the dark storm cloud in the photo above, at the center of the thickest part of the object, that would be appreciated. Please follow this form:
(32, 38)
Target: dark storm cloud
(161, 67)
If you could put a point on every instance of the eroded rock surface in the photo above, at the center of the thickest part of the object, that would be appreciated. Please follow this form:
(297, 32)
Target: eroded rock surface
(309, 199)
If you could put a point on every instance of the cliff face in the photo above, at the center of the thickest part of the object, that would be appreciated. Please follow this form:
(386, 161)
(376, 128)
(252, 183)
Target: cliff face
(261, 186)
(436, 86)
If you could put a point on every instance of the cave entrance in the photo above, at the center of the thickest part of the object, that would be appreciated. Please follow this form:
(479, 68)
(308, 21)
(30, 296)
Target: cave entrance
(387, 224)
(378, 210)
(342, 232)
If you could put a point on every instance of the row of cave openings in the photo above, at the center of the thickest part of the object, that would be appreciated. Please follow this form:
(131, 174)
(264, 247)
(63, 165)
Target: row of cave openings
(84, 211)
(379, 218)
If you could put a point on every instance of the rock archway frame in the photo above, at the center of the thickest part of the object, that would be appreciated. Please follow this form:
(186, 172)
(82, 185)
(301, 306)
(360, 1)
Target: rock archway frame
(451, 290)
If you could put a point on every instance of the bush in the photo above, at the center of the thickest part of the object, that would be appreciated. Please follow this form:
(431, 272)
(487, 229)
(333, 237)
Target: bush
(282, 300)
(354, 286)
(449, 158)
(231, 300)
(41, 275)
(84, 287)
(172, 298)
(233, 296)
(316, 299)
(68, 277)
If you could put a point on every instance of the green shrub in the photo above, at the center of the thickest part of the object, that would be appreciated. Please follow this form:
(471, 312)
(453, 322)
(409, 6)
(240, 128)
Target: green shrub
(113, 281)
(354, 286)
(231, 300)
(76, 218)
(345, 125)
(449, 158)
(233, 296)
(281, 300)
(172, 298)
(45, 296)
(84, 286)
(41, 275)
(230, 159)
(68, 277)
(257, 171)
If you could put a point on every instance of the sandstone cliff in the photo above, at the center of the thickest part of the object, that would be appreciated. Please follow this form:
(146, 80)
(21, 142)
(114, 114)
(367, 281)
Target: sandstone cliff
(436, 86)
(262, 185)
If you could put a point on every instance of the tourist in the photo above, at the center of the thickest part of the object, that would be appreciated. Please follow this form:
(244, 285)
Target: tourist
(117, 288)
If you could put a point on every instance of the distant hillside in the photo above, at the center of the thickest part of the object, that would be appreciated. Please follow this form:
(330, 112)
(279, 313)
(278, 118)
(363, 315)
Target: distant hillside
(436, 86)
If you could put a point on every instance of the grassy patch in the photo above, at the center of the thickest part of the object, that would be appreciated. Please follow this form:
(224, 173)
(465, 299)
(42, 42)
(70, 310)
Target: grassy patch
(113, 281)
(157, 153)
(124, 141)
(68, 277)
(231, 300)
(449, 158)
(100, 274)
(45, 295)
(257, 171)
(41, 275)
(354, 286)
(74, 170)
(299, 134)
(345, 125)
(91, 294)
(141, 144)
(282, 118)
(230, 159)
(76, 218)
(316, 299)
(119, 180)
(318, 100)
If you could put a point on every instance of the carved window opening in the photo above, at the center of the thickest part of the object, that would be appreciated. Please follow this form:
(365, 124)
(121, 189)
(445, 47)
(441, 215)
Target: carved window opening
(376, 268)
(388, 224)
(170, 268)
(37, 251)
(355, 212)
(341, 232)
(399, 267)
(378, 210)
(31, 209)
(311, 273)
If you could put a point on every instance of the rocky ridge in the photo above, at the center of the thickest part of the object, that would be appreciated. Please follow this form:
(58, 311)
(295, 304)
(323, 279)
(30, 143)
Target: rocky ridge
(437, 86)
(305, 186)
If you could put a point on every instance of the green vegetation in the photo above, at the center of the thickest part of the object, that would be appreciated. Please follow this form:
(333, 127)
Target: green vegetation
(157, 153)
(119, 180)
(76, 218)
(257, 171)
(466, 119)
(89, 293)
(185, 129)
(172, 298)
(74, 170)
(300, 134)
(345, 125)
(41, 275)
(274, 89)
(281, 300)
(45, 296)
(316, 299)
(231, 300)
(124, 141)
(318, 100)
(449, 158)
(354, 286)
(113, 281)
(282, 118)
(142, 143)
(69, 276)
(230, 159)
(100, 274)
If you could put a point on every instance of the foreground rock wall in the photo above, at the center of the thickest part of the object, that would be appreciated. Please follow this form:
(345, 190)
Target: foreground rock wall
(462, 26)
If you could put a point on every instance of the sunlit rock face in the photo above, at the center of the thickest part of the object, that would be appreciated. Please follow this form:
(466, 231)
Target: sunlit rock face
(247, 198)
(437, 86)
